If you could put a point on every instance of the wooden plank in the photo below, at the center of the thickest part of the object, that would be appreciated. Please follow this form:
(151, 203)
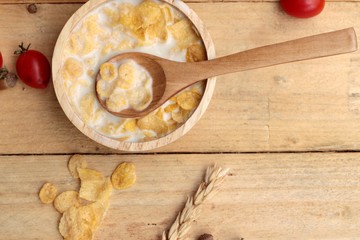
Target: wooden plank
(187, 1)
(312, 105)
(267, 196)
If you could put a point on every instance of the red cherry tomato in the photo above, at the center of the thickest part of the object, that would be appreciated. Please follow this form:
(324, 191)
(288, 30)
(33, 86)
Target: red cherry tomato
(302, 8)
(33, 68)
(1, 61)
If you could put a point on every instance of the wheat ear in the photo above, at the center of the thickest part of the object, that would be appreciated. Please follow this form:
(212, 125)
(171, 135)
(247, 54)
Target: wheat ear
(213, 178)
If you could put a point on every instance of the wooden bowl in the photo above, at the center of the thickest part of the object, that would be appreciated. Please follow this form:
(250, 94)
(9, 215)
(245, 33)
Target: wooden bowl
(70, 112)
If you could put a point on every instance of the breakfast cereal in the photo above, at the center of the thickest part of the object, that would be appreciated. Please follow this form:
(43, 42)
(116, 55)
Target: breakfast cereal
(76, 161)
(123, 176)
(119, 26)
(48, 193)
(65, 200)
(94, 186)
(125, 86)
(83, 211)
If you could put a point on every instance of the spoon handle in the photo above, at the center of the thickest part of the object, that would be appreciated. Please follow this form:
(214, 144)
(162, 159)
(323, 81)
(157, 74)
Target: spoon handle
(326, 44)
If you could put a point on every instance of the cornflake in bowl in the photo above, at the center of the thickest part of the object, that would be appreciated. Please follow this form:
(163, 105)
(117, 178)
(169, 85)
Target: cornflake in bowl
(100, 30)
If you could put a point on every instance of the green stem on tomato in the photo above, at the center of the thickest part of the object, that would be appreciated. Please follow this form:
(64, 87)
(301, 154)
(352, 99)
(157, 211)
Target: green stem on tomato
(22, 49)
(3, 72)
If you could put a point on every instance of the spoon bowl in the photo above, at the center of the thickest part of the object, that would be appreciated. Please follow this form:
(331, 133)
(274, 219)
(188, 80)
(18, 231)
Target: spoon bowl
(154, 69)
(170, 77)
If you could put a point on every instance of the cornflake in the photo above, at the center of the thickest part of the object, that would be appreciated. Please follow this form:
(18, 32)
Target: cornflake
(130, 125)
(65, 200)
(72, 69)
(125, 44)
(184, 33)
(104, 88)
(126, 75)
(92, 27)
(117, 102)
(146, 21)
(87, 107)
(139, 98)
(76, 161)
(47, 193)
(93, 184)
(89, 46)
(168, 14)
(154, 123)
(188, 100)
(180, 116)
(74, 226)
(160, 113)
(108, 71)
(124, 176)
(171, 107)
(111, 128)
(195, 53)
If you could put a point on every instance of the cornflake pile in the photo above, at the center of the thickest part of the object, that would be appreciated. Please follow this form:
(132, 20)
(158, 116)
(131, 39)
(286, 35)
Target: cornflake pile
(83, 211)
(116, 27)
(125, 86)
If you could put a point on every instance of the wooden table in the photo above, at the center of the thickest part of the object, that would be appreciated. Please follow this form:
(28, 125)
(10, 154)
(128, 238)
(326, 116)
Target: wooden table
(290, 134)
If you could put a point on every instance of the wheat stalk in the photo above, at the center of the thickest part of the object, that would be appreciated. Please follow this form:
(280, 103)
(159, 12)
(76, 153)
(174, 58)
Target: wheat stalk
(213, 178)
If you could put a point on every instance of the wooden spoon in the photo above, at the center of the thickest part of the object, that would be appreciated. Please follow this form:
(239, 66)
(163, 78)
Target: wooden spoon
(170, 77)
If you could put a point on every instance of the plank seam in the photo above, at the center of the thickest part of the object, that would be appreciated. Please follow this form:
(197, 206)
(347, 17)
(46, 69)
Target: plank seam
(227, 1)
(184, 153)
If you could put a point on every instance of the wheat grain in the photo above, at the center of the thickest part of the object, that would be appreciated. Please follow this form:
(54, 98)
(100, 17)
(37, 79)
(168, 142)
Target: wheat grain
(213, 178)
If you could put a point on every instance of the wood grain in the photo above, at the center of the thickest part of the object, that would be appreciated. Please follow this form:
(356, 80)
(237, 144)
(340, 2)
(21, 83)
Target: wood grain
(187, 1)
(266, 196)
(307, 106)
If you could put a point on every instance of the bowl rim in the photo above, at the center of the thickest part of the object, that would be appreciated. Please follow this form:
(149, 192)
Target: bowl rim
(112, 142)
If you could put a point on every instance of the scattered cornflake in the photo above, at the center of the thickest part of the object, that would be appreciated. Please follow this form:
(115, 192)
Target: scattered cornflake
(76, 161)
(47, 193)
(65, 200)
(74, 226)
(83, 211)
(93, 184)
(124, 176)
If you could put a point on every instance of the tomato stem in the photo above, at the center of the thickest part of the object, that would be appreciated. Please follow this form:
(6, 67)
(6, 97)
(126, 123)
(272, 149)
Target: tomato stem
(22, 49)
(3, 72)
